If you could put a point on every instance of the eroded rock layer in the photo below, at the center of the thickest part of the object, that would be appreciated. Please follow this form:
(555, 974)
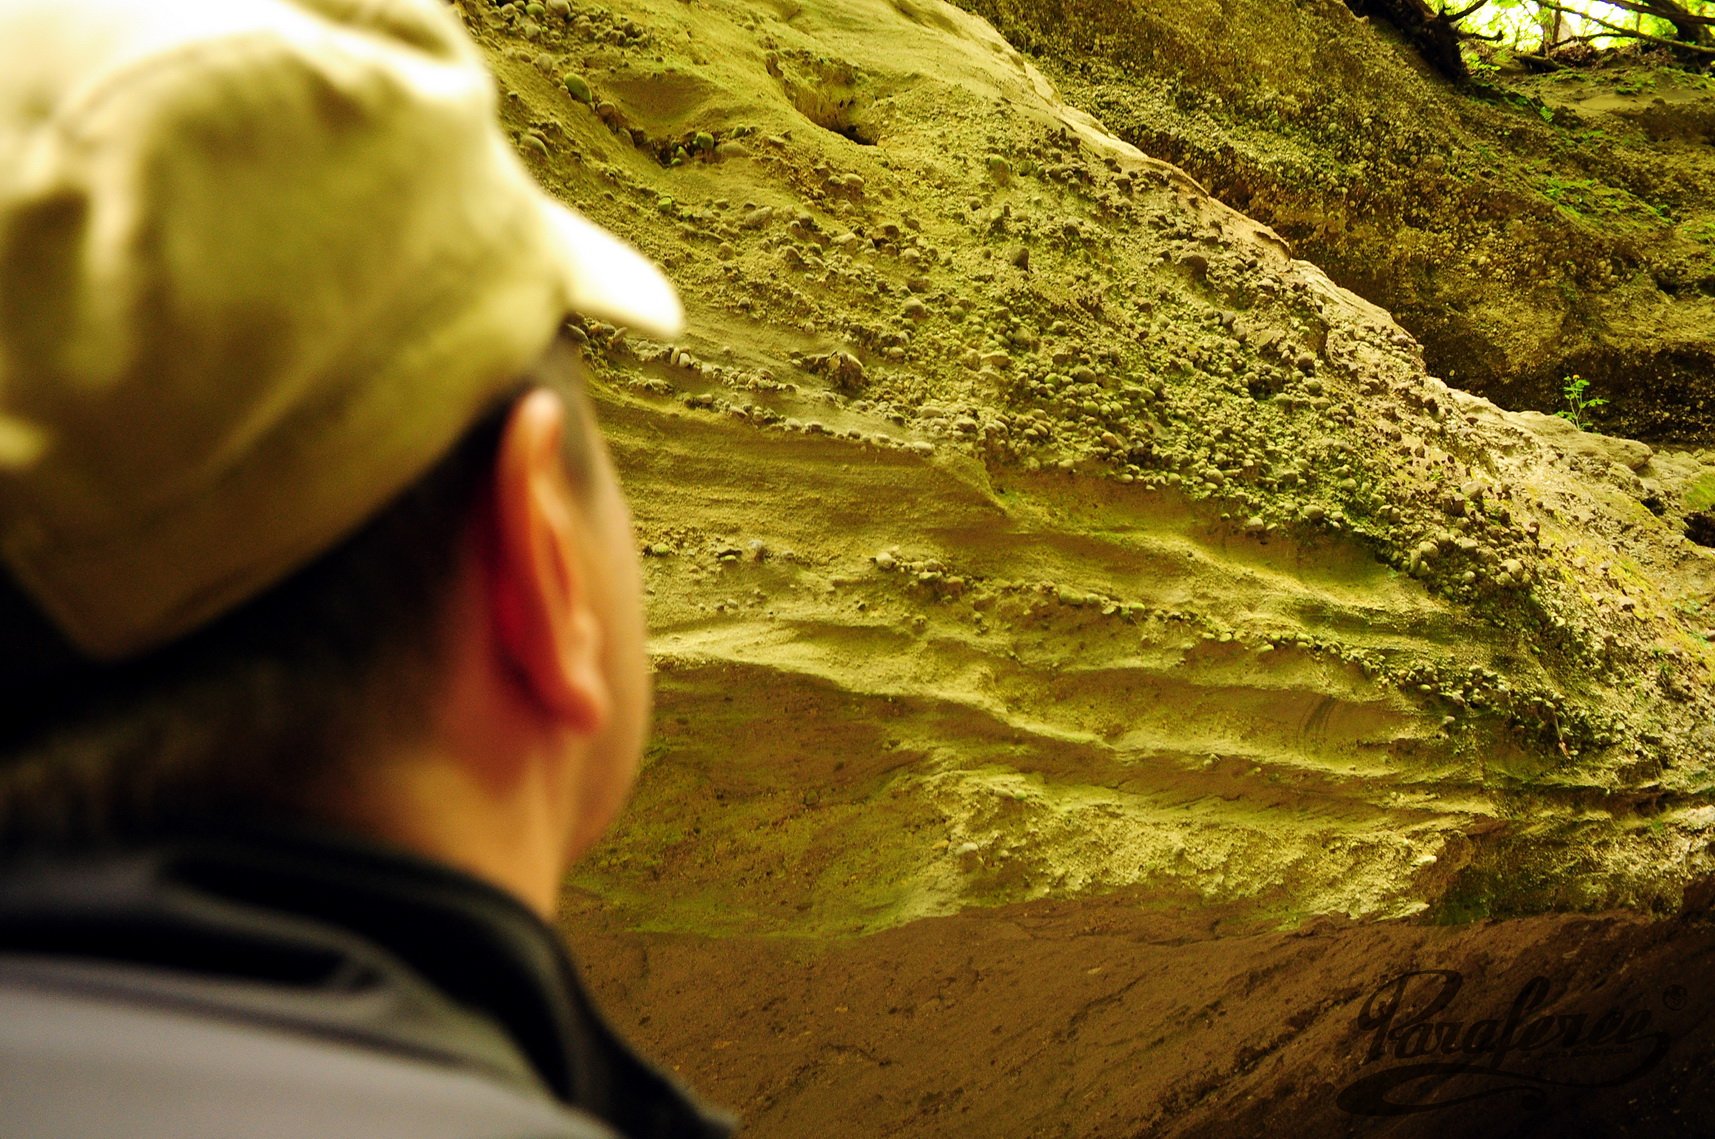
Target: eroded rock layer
(1022, 522)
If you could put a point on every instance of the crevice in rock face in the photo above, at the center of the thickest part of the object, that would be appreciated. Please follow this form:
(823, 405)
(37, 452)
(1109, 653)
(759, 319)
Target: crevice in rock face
(1552, 225)
(1700, 527)
(826, 92)
(1434, 36)
(1657, 392)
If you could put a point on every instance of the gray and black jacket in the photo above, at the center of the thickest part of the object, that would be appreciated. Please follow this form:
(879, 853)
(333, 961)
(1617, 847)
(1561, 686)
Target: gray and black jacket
(283, 985)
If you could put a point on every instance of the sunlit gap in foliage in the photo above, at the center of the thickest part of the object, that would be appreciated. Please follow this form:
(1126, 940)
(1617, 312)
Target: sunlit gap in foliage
(1541, 26)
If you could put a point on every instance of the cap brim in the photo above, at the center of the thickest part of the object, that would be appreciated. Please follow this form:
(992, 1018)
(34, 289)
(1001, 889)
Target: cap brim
(608, 279)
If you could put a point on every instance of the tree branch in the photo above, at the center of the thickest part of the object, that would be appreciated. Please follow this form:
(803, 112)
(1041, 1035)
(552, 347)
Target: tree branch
(1684, 22)
(1617, 30)
(1537, 62)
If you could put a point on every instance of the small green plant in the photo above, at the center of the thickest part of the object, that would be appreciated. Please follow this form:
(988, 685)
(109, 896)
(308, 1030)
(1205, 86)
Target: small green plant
(1572, 390)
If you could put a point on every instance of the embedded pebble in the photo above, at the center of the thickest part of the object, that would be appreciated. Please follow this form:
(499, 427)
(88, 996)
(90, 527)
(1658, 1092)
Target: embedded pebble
(577, 87)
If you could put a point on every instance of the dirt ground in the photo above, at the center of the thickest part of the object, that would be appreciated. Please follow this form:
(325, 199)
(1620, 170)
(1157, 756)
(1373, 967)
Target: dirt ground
(1095, 652)
(1110, 1018)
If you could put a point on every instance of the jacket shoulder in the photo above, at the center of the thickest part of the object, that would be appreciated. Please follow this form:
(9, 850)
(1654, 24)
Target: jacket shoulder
(78, 1060)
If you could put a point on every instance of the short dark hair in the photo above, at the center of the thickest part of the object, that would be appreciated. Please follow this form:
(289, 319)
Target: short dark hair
(255, 711)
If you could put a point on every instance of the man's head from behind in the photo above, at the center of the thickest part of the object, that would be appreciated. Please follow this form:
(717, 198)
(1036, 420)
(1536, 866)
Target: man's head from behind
(285, 465)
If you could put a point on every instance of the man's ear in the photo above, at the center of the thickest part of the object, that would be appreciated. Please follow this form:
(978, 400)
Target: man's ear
(545, 624)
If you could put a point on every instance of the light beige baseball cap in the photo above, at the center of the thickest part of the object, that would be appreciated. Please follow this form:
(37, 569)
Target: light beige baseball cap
(261, 263)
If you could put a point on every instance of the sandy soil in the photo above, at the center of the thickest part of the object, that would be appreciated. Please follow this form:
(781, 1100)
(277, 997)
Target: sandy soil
(1051, 572)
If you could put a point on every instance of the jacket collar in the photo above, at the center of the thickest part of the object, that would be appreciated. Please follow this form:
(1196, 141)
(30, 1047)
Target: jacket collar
(296, 907)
